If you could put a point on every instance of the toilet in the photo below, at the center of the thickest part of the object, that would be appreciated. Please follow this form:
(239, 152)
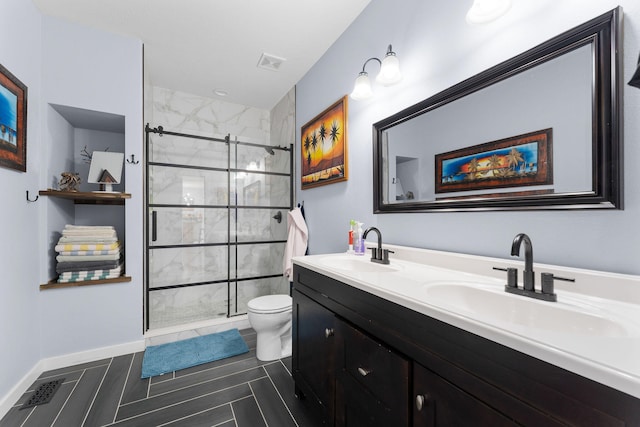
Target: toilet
(270, 317)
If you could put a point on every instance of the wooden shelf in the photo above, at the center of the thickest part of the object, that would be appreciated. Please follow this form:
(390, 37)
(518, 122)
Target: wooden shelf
(53, 284)
(88, 197)
(93, 198)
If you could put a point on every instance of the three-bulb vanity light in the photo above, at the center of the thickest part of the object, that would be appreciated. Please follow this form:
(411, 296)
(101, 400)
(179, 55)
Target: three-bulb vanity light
(389, 75)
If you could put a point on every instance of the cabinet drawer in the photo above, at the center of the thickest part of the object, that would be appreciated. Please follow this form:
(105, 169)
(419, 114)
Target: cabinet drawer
(379, 370)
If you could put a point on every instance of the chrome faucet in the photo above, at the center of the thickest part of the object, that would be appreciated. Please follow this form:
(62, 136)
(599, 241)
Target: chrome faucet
(529, 278)
(528, 282)
(378, 254)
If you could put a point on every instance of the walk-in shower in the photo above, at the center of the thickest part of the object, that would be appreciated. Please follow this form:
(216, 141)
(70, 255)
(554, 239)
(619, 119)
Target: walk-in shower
(215, 225)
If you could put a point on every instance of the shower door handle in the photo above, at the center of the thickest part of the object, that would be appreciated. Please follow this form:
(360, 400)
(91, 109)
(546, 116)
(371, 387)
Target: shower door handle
(154, 226)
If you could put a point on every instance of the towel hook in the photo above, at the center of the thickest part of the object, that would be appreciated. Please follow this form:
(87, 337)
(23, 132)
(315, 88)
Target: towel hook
(29, 200)
(278, 217)
(133, 160)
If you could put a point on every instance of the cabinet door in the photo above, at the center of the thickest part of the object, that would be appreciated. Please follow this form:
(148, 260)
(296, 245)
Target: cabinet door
(440, 403)
(314, 354)
(356, 406)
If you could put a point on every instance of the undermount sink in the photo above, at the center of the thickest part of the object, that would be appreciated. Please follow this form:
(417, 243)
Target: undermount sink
(356, 264)
(502, 309)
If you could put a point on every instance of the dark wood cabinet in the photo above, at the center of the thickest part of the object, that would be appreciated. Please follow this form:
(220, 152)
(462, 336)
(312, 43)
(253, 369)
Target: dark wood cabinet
(348, 378)
(314, 356)
(356, 406)
(440, 403)
(372, 382)
(360, 360)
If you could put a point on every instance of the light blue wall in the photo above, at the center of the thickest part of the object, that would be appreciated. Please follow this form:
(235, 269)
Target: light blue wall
(92, 70)
(437, 49)
(65, 64)
(20, 53)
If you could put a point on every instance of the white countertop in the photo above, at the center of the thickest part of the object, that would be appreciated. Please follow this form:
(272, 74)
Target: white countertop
(593, 330)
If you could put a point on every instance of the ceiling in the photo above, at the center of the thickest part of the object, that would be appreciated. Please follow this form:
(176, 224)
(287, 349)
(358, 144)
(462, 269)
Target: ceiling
(198, 46)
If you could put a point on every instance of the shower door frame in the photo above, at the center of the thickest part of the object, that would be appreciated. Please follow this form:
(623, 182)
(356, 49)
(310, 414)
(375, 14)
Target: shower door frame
(232, 245)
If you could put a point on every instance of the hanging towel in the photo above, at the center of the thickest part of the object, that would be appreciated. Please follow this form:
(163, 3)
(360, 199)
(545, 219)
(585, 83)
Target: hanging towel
(296, 240)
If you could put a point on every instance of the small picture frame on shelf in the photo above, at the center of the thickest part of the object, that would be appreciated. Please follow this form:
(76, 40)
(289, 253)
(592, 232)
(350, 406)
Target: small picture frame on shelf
(105, 169)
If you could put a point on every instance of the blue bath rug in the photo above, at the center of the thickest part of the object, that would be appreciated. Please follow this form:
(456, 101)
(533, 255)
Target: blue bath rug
(165, 358)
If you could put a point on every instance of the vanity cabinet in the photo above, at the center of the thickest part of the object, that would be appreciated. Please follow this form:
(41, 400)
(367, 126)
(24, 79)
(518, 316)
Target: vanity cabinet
(316, 342)
(384, 364)
(348, 378)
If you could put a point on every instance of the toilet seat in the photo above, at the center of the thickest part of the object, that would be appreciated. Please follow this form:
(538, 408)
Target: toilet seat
(270, 304)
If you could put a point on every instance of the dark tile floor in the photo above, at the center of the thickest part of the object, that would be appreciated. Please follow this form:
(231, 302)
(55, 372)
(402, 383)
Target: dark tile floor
(235, 392)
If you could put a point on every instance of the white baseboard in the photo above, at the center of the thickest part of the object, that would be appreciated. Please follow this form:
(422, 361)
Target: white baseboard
(43, 365)
(91, 355)
(10, 399)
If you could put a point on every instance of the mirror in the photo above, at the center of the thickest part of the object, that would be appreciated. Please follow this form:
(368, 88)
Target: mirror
(539, 131)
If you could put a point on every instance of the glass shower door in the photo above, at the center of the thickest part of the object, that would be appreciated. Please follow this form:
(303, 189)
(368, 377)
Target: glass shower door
(212, 241)
(261, 195)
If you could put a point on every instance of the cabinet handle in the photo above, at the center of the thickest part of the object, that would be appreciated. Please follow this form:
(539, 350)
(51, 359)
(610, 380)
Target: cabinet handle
(364, 372)
(328, 332)
(422, 400)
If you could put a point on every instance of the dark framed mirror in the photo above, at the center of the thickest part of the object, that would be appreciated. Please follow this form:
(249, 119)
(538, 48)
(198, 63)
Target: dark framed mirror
(542, 130)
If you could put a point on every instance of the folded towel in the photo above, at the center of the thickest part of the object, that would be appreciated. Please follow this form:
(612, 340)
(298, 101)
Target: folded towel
(82, 279)
(84, 273)
(63, 267)
(88, 227)
(92, 273)
(88, 231)
(89, 234)
(75, 258)
(87, 247)
(90, 253)
(84, 240)
(81, 229)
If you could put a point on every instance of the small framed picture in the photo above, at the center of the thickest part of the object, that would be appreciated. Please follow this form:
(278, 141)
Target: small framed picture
(13, 122)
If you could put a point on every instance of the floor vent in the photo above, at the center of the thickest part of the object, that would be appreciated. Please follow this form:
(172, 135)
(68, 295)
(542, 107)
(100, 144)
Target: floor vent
(43, 394)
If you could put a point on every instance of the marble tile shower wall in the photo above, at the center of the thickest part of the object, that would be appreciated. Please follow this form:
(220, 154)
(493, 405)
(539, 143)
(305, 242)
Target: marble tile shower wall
(188, 113)
(283, 120)
(191, 114)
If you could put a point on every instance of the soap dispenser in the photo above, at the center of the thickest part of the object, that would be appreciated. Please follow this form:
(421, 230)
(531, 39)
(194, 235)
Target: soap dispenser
(358, 240)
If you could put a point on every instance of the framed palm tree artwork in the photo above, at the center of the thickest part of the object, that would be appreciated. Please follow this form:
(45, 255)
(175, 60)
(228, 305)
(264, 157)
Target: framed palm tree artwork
(324, 147)
(518, 161)
(13, 121)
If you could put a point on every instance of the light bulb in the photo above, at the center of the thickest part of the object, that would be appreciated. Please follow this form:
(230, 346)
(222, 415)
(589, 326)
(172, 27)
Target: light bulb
(362, 88)
(389, 70)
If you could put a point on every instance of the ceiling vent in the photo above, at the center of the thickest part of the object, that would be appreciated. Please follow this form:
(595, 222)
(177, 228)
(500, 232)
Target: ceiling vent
(270, 62)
